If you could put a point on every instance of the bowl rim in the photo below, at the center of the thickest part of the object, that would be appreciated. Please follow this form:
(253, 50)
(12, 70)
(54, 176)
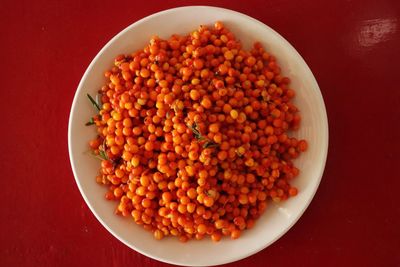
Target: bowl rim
(325, 125)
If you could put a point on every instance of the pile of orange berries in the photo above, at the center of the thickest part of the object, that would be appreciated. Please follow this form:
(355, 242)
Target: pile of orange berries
(194, 134)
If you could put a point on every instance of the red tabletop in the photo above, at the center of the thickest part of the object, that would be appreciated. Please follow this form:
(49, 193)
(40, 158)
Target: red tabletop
(353, 49)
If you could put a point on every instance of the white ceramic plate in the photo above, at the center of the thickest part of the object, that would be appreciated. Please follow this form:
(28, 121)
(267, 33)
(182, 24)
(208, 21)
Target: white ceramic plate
(278, 218)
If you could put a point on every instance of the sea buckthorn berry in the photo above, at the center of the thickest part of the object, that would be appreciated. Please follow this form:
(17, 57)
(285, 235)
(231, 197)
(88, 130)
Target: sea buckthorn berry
(198, 64)
(228, 55)
(206, 103)
(194, 95)
(234, 114)
(208, 201)
(293, 191)
(214, 128)
(235, 234)
(302, 145)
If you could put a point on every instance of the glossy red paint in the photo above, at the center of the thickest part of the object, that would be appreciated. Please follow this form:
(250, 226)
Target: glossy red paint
(353, 48)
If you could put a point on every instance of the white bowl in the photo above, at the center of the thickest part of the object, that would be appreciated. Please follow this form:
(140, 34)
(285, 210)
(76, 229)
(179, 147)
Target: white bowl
(278, 218)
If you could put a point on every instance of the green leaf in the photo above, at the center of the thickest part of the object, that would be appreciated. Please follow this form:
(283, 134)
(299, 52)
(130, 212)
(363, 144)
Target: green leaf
(196, 132)
(93, 102)
(198, 136)
(103, 154)
(209, 144)
(90, 122)
(98, 100)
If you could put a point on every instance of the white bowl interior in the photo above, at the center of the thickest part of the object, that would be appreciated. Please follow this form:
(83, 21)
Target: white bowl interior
(279, 217)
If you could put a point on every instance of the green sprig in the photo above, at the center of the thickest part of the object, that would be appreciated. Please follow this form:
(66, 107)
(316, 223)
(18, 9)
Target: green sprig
(103, 155)
(208, 143)
(94, 103)
(90, 122)
(196, 132)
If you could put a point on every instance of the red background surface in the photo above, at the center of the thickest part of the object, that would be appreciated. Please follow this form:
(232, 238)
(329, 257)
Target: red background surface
(353, 48)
